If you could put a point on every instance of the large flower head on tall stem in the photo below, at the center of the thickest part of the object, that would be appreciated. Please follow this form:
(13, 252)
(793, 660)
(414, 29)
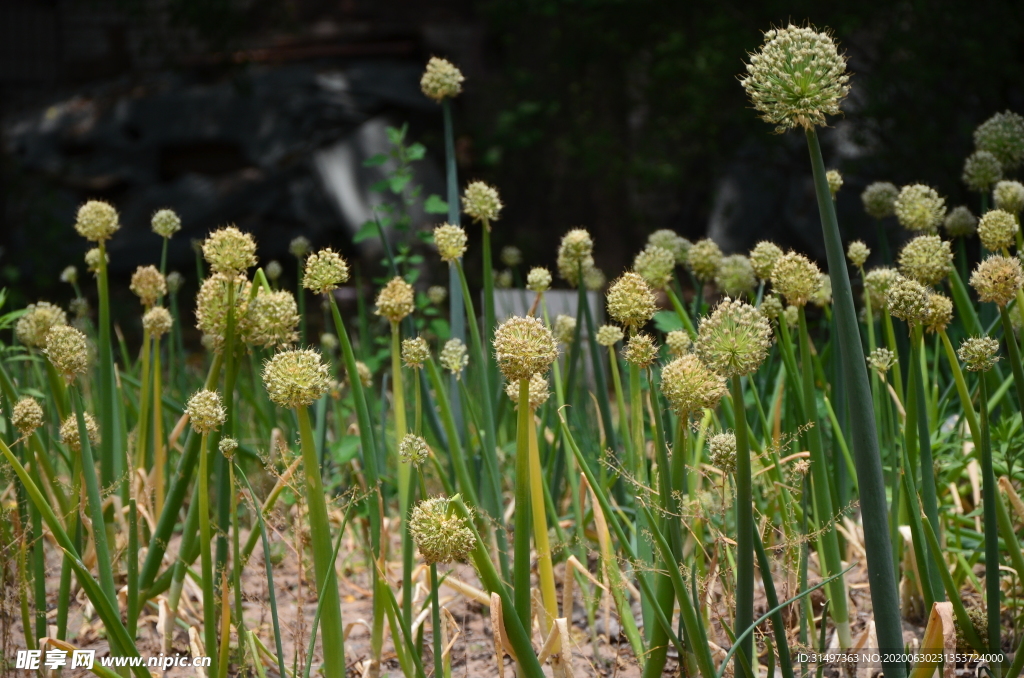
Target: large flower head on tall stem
(735, 275)
(523, 347)
(960, 223)
(441, 80)
(879, 199)
(395, 300)
(1002, 135)
(979, 354)
(673, 242)
(165, 223)
(27, 415)
(704, 259)
(69, 433)
(920, 208)
(655, 265)
(631, 301)
(998, 279)
(796, 78)
(148, 284)
(481, 202)
(229, 251)
(450, 242)
(212, 306)
(575, 254)
(982, 170)
(439, 532)
(296, 378)
(796, 278)
(37, 320)
(907, 299)
(734, 339)
(97, 221)
(763, 258)
(205, 411)
(324, 271)
(997, 230)
(689, 386)
(1009, 196)
(927, 259)
(271, 320)
(68, 351)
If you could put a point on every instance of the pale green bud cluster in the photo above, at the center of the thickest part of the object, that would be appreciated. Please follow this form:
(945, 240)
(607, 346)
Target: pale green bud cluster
(678, 342)
(655, 265)
(212, 306)
(227, 447)
(1009, 196)
(671, 241)
(997, 230)
(631, 300)
(415, 352)
(481, 202)
(835, 182)
(689, 386)
(165, 223)
(979, 354)
(413, 449)
(94, 258)
(858, 253)
(640, 350)
(594, 279)
(69, 275)
(771, 306)
(609, 335)
(919, 208)
(907, 299)
(328, 342)
(68, 351)
(575, 254)
(441, 80)
(736, 276)
(324, 271)
(69, 433)
(440, 534)
(981, 170)
(734, 339)
(523, 347)
(229, 251)
(511, 256)
(503, 279)
(273, 270)
(823, 295)
(148, 284)
(271, 320)
(300, 246)
(927, 259)
(722, 452)
(205, 411)
(451, 242)
(876, 285)
(939, 313)
(791, 316)
(796, 278)
(157, 321)
(564, 329)
(704, 259)
(454, 357)
(396, 300)
(797, 78)
(296, 378)
(1003, 136)
(763, 258)
(27, 415)
(437, 294)
(97, 221)
(960, 223)
(879, 199)
(881, 360)
(174, 282)
(538, 279)
(36, 322)
(997, 279)
(364, 374)
(538, 391)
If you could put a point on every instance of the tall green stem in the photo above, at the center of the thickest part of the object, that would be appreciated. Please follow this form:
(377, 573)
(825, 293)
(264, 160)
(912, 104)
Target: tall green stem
(744, 526)
(521, 564)
(989, 497)
(206, 556)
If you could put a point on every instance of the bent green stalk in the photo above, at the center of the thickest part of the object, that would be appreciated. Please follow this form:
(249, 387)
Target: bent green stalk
(874, 511)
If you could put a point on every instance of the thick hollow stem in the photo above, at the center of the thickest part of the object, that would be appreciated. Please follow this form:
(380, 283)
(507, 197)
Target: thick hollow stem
(744, 525)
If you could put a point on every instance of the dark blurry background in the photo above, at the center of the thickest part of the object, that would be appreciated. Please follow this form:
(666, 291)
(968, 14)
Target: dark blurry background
(623, 116)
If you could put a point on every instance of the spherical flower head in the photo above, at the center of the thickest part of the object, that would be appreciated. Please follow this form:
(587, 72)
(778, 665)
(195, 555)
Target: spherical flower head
(678, 342)
(450, 241)
(296, 378)
(771, 306)
(440, 534)
(523, 347)
(858, 253)
(299, 247)
(271, 320)
(734, 339)
(148, 284)
(69, 275)
(763, 258)
(36, 322)
(907, 299)
(481, 202)
(328, 342)
(981, 170)
(835, 182)
(396, 300)
(594, 279)
(960, 223)
(273, 270)
(69, 432)
(157, 321)
(736, 276)
(441, 80)
(575, 254)
(631, 300)
(539, 391)
(876, 285)
(640, 350)
(67, 350)
(939, 313)
(415, 352)
(564, 329)
(704, 258)
(997, 279)
(503, 279)
(671, 241)
(689, 386)
(364, 374)
(1003, 136)
(511, 256)
(27, 415)
(791, 316)
(797, 78)
(413, 449)
(796, 278)
(920, 208)
(722, 452)
(822, 296)
(609, 335)
(227, 447)
(97, 221)
(174, 282)
(881, 360)
(165, 223)
(879, 199)
(997, 230)
(324, 271)
(229, 251)
(655, 265)
(212, 306)
(437, 294)
(1009, 196)
(979, 354)
(927, 259)
(205, 411)
(454, 357)
(94, 258)
(538, 279)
